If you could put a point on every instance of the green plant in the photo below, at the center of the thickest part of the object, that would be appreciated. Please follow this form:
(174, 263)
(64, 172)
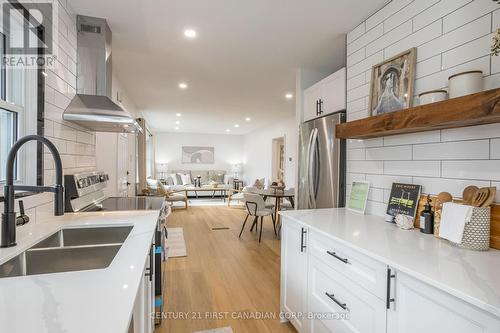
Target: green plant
(495, 47)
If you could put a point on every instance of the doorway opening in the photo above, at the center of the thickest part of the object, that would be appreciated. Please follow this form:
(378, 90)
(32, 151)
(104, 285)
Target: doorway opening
(278, 171)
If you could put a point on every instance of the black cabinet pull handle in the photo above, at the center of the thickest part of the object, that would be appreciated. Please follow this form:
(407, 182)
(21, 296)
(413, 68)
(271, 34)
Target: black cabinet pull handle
(320, 106)
(302, 243)
(149, 270)
(332, 297)
(333, 254)
(389, 300)
(317, 107)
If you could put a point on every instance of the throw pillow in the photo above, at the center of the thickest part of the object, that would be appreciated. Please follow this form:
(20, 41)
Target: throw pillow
(259, 183)
(174, 178)
(186, 179)
(179, 179)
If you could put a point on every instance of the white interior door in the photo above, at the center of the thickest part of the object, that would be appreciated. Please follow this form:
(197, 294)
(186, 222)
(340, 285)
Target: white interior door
(123, 172)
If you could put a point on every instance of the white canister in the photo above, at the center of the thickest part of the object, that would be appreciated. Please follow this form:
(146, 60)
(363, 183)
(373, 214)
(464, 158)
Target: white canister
(465, 83)
(432, 96)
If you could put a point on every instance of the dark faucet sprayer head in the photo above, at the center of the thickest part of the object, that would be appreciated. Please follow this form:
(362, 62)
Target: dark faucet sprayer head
(9, 215)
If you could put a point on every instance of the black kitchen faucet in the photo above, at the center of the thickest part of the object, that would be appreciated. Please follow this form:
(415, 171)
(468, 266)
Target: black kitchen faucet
(9, 215)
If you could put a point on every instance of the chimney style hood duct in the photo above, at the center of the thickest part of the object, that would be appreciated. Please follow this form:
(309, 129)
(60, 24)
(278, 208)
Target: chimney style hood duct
(92, 106)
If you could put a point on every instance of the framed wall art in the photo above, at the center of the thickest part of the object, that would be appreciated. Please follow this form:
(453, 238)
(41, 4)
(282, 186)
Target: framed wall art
(392, 83)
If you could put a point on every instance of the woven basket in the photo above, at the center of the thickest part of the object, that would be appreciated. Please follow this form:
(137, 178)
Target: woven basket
(477, 231)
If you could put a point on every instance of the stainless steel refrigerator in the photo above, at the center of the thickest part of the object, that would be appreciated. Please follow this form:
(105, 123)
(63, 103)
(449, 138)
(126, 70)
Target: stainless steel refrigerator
(321, 164)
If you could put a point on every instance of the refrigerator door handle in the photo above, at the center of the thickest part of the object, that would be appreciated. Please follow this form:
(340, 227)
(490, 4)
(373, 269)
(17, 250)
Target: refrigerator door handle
(308, 170)
(312, 169)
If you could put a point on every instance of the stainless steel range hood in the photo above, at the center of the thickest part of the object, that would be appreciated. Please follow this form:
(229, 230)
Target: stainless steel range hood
(92, 106)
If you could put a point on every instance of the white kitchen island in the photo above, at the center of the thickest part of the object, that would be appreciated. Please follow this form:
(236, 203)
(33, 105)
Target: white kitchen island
(100, 300)
(370, 276)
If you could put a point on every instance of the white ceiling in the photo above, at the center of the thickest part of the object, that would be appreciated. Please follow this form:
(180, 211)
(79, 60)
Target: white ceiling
(240, 65)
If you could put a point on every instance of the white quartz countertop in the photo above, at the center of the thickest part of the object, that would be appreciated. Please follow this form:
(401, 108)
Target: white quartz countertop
(99, 300)
(469, 275)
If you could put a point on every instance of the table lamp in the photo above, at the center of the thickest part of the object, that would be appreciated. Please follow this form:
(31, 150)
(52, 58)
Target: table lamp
(236, 169)
(162, 169)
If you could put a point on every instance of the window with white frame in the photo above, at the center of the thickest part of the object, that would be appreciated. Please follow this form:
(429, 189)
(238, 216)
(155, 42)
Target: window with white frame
(21, 89)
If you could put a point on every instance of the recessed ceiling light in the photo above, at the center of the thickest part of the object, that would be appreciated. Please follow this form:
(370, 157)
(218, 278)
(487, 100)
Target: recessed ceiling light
(176, 127)
(183, 85)
(236, 125)
(248, 119)
(177, 122)
(289, 96)
(190, 33)
(228, 130)
(178, 114)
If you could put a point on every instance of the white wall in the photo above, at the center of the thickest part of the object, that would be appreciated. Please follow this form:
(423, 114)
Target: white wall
(451, 36)
(228, 150)
(258, 150)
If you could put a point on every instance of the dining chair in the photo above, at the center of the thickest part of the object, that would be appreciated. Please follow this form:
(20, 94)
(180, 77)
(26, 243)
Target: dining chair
(256, 207)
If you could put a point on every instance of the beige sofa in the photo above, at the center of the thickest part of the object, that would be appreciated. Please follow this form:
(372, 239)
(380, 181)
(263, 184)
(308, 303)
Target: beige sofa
(175, 181)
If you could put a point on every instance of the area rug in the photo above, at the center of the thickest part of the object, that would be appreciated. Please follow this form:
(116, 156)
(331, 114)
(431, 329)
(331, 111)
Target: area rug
(175, 246)
(201, 202)
(218, 330)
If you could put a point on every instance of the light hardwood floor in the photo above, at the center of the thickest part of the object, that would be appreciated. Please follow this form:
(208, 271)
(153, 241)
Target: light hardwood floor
(223, 274)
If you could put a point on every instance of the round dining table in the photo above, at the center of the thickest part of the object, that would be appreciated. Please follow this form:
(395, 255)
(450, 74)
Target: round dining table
(278, 194)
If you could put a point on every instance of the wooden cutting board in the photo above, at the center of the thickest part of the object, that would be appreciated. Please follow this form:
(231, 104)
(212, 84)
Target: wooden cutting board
(495, 219)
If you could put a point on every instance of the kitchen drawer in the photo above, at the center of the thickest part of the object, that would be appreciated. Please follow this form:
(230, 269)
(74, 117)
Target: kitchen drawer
(363, 311)
(363, 270)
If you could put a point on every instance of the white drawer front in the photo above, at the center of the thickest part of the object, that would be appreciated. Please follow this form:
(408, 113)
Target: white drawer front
(368, 273)
(363, 311)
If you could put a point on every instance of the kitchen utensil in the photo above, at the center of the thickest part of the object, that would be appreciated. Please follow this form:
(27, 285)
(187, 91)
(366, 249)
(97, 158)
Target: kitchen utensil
(491, 197)
(468, 194)
(442, 198)
(480, 196)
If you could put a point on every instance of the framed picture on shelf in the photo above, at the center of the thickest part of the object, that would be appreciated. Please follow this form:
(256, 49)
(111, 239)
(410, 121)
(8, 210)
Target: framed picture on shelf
(392, 83)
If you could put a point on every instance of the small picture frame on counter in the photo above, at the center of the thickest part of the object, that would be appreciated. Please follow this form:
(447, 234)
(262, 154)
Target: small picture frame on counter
(403, 200)
(358, 197)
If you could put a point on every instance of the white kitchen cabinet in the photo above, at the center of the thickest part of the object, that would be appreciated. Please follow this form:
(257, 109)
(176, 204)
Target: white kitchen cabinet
(312, 95)
(326, 96)
(350, 307)
(142, 319)
(294, 274)
(419, 307)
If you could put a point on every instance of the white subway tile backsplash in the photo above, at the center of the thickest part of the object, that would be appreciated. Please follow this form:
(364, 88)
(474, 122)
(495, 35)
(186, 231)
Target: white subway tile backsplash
(389, 153)
(385, 182)
(412, 138)
(357, 105)
(359, 92)
(388, 10)
(480, 170)
(376, 194)
(356, 33)
(454, 186)
(495, 149)
(351, 116)
(376, 167)
(356, 57)
(436, 12)
(461, 150)
(452, 39)
(413, 168)
(356, 154)
(468, 13)
(363, 66)
(417, 38)
(471, 133)
(428, 66)
(389, 38)
(376, 208)
(355, 177)
(356, 81)
(365, 39)
(407, 13)
(467, 52)
(354, 143)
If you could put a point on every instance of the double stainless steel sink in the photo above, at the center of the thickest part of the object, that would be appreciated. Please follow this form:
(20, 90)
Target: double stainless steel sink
(70, 249)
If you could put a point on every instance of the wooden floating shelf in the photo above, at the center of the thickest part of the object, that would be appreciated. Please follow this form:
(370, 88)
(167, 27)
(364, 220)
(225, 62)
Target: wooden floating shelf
(476, 109)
